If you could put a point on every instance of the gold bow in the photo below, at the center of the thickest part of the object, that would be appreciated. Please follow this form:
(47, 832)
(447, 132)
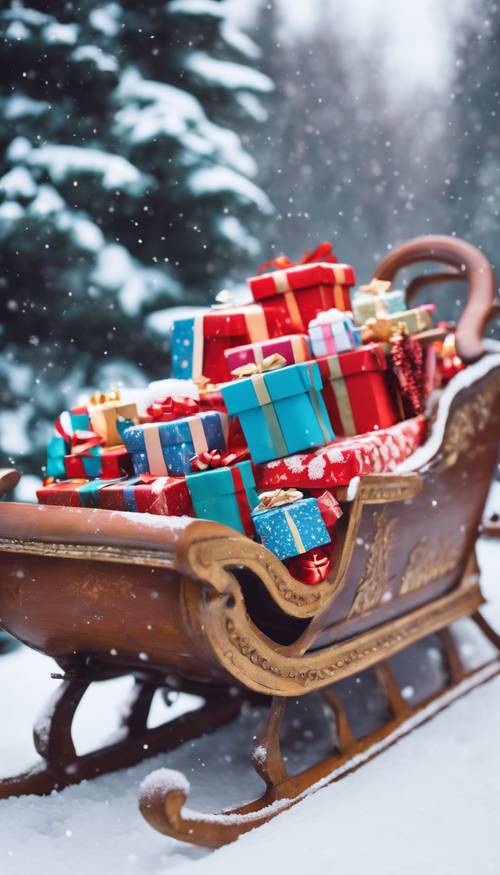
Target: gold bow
(277, 497)
(270, 363)
(204, 385)
(104, 397)
(376, 287)
(382, 329)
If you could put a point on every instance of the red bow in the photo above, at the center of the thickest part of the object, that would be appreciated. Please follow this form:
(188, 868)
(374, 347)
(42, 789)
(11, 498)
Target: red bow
(216, 459)
(312, 567)
(166, 409)
(323, 252)
(83, 441)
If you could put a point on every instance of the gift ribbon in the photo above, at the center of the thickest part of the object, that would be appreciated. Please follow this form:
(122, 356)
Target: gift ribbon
(83, 441)
(311, 568)
(297, 540)
(89, 492)
(277, 497)
(339, 388)
(269, 363)
(323, 252)
(167, 409)
(241, 496)
(105, 397)
(376, 287)
(154, 450)
(216, 459)
(272, 422)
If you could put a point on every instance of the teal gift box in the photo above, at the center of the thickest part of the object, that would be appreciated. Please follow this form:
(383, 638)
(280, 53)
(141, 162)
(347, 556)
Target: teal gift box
(226, 495)
(291, 529)
(281, 411)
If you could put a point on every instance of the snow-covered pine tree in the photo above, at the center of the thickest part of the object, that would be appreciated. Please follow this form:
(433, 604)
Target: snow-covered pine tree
(124, 189)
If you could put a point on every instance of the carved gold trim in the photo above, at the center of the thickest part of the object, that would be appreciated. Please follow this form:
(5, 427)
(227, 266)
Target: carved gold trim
(375, 580)
(469, 419)
(428, 562)
(97, 553)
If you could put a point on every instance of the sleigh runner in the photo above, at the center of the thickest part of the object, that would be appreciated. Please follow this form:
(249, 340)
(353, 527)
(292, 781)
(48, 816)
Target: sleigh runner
(193, 605)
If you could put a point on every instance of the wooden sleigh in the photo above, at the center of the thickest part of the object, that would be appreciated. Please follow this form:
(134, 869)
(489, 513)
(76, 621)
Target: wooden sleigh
(191, 605)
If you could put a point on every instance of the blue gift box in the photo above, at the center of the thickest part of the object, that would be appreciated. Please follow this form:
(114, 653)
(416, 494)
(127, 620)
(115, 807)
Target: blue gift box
(226, 495)
(291, 529)
(183, 348)
(281, 412)
(161, 448)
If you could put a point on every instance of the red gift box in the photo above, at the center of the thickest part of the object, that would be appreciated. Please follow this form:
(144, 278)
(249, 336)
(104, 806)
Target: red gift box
(338, 462)
(63, 494)
(165, 496)
(356, 390)
(107, 463)
(303, 291)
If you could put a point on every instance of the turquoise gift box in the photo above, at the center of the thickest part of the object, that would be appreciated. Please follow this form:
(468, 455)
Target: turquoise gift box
(291, 529)
(280, 411)
(226, 495)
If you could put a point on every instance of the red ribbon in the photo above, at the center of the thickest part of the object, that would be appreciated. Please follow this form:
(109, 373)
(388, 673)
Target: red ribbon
(216, 459)
(323, 252)
(242, 501)
(83, 441)
(167, 409)
(311, 567)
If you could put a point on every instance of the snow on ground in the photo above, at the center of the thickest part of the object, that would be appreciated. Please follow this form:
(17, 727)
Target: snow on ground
(428, 805)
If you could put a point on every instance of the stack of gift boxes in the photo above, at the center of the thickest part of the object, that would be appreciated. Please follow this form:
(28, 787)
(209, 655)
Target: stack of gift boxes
(255, 389)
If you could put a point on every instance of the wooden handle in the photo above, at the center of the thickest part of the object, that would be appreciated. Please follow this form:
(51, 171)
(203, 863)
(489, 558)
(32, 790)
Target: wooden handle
(9, 478)
(471, 265)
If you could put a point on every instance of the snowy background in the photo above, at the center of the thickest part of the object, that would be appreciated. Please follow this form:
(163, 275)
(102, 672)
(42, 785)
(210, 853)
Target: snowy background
(428, 805)
(153, 153)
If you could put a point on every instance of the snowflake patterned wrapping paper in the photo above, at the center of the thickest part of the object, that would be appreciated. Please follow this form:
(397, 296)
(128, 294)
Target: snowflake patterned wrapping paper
(365, 304)
(291, 529)
(280, 411)
(162, 448)
(294, 348)
(165, 496)
(344, 459)
(200, 341)
(305, 290)
(226, 495)
(356, 390)
(333, 332)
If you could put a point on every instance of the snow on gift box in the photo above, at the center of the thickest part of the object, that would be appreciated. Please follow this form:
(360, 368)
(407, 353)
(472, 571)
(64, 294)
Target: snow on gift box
(356, 390)
(225, 494)
(200, 341)
(289, 524)
(304, 290)
(332, 332)
(280, 411)
(162, 448)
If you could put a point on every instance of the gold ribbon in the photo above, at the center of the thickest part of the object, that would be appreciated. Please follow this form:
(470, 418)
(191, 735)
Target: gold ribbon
(382, 329)
(204, 385)
(105, 397)
(341, 396)
(269, 363)
(297, 540)
(277, 497)
(376, 287)
(154, 450)
(272, 422)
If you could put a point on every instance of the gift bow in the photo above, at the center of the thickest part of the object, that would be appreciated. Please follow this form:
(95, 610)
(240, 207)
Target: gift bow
(103, 397)
(382, 329)
(204, 385)
(277, 497)
(376, 287)
(216, 459)
(83, 441)
(269, 363)
(173, 407)
(323, 252)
